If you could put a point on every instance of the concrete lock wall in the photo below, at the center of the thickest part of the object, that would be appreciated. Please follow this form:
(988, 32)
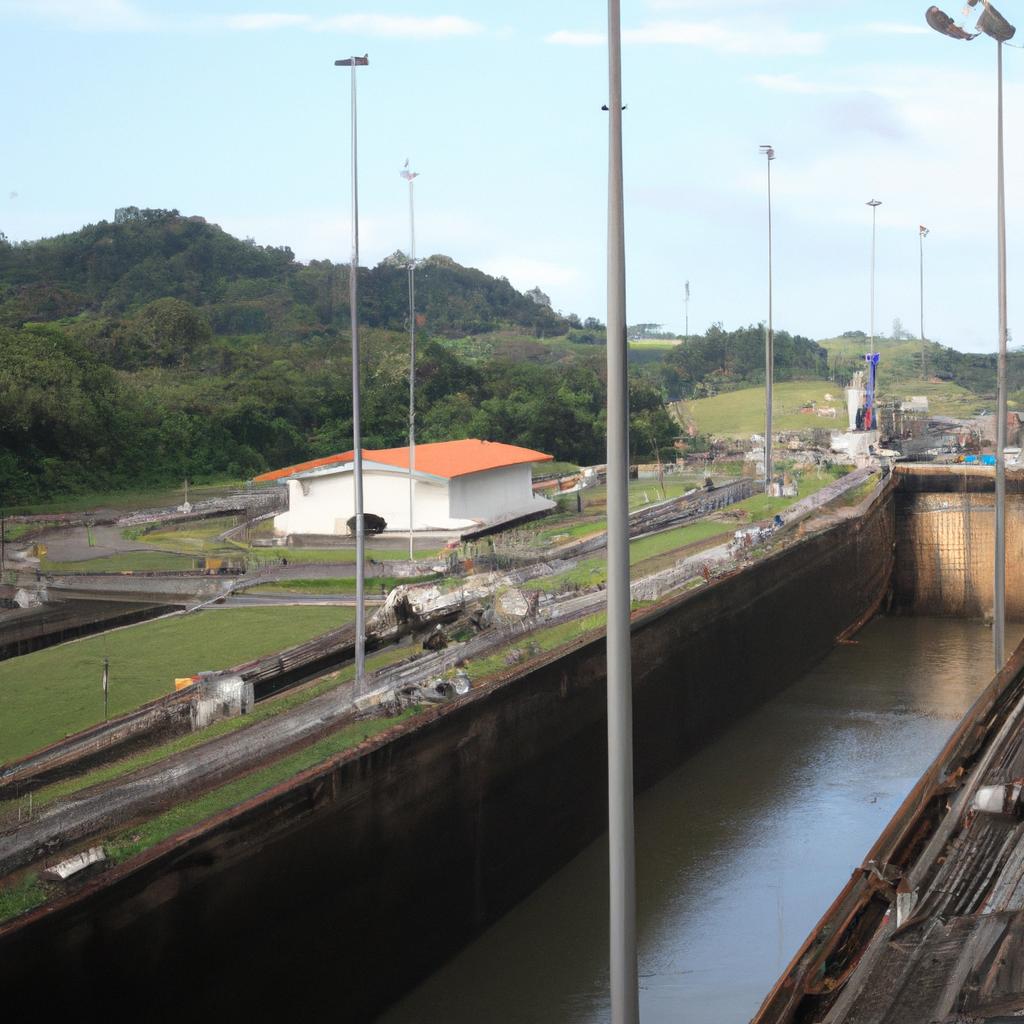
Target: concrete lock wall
(346, 885)
(945, 544)
(945, 547)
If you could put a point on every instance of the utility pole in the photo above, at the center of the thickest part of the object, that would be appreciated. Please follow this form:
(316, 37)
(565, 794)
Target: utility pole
(357, 430)
(874, 204)
(769, 338)
(999, 576)
(621, 840)
(687, 305)
(994, 25)
(922, 234)
(106, 684)
(409, 175)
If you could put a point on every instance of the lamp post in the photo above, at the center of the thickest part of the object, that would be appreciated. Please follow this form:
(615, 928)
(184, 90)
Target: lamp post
(922, 234)
(409, 175)
(769, 337)
(621, 841)
(357, 431)
(993, 24)
(874, 204)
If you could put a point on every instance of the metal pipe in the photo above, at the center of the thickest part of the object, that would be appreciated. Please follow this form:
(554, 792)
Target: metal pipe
(999, 577)
(621, 841)
(357, 432)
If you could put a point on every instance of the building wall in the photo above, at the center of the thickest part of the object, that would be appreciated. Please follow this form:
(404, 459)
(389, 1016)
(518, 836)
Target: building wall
(330, 501)
(494, 493)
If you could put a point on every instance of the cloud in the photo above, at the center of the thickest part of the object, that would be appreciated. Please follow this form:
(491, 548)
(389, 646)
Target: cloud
(260, 22)
(85, 15)
(567, 37)
(525, 272)
(895, 28)
(126, 16)
(791, 83)
(865, 113)
(406, 26)
(716, 36)
(726, 5)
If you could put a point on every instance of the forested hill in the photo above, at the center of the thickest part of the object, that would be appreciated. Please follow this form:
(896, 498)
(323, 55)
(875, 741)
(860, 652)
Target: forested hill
(158, 347)
(114, 268)
(723, 360)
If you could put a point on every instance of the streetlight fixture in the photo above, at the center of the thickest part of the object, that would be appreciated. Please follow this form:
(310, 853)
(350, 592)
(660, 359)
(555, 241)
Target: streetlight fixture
(769, 337)
(874, 204)
(993, 24)
(922, 234)
(409, 175)
(357, 430)
(625, 1007)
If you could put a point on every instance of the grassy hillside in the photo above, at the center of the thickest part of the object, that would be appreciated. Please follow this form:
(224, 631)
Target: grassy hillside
(741, 413)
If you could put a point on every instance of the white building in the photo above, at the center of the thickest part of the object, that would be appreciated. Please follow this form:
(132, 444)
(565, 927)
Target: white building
(456, 485)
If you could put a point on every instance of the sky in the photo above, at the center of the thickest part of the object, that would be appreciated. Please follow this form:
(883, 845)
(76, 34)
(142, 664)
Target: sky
(234, 110)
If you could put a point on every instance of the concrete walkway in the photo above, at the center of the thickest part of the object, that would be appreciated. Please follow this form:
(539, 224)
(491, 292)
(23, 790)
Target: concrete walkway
(72, 544)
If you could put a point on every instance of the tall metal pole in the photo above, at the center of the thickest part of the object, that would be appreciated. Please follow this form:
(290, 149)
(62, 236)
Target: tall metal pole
(993, 24)
(922, 233)
(874, 204)
(409, 175)
(999, 578)
(687, 293)
(769, 338)
(621, 842)
(357, 431)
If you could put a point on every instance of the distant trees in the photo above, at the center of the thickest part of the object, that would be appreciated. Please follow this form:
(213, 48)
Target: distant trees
(723, 360)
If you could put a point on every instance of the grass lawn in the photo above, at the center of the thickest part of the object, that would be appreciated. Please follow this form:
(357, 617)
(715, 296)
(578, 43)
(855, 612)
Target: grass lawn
(741, 413)
(672, 540)
(536, 643)
(346, 585)
(269, 708)
(46, 695)
(645, 552)
(302, 556)
(126, 561)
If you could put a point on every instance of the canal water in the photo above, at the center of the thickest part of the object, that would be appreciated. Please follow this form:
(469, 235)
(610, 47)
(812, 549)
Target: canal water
(739, 852)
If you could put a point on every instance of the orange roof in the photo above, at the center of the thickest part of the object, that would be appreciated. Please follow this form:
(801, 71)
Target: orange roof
(445, 459)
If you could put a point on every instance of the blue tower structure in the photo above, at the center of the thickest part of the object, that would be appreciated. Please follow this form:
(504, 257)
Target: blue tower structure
(871, 358)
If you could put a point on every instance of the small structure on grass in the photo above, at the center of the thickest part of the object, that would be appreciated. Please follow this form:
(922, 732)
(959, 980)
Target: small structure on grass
(457, 485)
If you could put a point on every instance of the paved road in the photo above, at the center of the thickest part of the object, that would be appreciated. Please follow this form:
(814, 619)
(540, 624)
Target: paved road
(72, 544)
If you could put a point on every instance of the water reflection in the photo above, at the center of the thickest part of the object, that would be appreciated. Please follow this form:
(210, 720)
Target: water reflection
(739, 852)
